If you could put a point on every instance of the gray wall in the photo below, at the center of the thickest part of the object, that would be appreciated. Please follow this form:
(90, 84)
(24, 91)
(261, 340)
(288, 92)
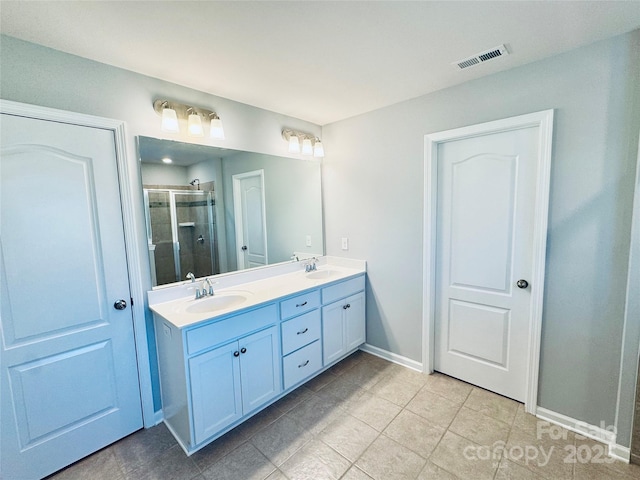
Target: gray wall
(373, 186)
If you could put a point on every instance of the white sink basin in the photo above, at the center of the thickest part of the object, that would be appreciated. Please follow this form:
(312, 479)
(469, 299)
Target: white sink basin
(321, 274)
(215, 303)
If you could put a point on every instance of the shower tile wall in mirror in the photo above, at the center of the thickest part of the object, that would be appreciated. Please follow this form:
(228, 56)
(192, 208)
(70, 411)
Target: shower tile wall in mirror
(214, 210)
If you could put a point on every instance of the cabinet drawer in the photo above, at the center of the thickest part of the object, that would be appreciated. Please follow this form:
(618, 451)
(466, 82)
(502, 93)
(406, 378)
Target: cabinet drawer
(300, 331)
(342, 289)
(302, 364)
(216, 333)
(300, 304)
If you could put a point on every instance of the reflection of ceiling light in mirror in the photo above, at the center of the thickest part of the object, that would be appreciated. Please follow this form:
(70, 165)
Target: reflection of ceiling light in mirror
(194, 125)
(307, 148)
(216, 130)
(294, 144)
(169, 120)
(318, 149)
(167, 160)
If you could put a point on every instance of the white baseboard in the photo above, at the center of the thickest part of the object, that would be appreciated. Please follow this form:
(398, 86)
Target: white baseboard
(392, 357)
(158, 417)
(620, 452)
(590, 431)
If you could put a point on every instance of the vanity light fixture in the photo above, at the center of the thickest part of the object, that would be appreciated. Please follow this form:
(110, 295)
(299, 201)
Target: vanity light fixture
(311, 145)
(167, 160)
(171, 111)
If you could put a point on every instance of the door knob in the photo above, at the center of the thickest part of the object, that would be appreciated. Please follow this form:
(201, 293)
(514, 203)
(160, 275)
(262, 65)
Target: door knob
(522, 283)
(120, 304)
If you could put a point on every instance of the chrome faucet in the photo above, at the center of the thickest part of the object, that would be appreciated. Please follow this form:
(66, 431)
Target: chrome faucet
(208, 291)
(191, 276)
(310, 265)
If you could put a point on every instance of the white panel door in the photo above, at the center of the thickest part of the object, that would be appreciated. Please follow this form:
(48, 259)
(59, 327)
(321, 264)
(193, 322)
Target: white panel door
(486, 200)
(69, 376)
(251, 226)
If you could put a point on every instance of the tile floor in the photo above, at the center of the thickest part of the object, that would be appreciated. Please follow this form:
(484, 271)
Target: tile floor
(367, 419)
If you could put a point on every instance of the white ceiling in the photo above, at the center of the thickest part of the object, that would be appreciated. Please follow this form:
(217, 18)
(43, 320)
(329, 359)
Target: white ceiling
(315, 60)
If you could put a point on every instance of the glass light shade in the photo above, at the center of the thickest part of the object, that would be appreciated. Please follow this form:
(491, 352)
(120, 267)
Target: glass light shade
(307, 148)
(195, 126)
(294, 144)
(170, 120)
(318, 149)
(216, 130)
(167, 160)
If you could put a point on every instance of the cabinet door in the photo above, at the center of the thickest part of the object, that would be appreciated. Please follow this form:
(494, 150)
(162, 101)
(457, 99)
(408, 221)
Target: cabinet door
(260, 368)
(355, 321)
(215, 390)
(333, 340)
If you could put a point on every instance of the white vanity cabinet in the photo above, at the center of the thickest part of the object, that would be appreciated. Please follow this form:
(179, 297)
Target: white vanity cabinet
(217, 372)
(343, 318)
(232, 381)
(213, 374)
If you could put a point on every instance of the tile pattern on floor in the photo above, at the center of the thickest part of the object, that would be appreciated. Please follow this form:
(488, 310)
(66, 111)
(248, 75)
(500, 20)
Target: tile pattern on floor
(363, 419)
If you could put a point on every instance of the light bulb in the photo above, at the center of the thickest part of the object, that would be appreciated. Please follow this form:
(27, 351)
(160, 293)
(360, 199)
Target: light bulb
(215, 129)
(307, 148)
(195, 126)
(167, 160)
(318, 149)
(170, 120)
(294, 144)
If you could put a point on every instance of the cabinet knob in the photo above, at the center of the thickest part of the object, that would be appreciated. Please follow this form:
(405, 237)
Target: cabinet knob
(236, 353)
(243, 350)
(348, 305)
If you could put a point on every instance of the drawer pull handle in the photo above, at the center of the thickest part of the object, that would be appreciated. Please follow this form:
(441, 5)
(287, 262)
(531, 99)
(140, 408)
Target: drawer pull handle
(303, 331)
(243, 350)
(303, 364)
(301, 304)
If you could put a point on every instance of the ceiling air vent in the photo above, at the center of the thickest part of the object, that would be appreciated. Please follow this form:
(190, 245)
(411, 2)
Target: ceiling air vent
(482, 57)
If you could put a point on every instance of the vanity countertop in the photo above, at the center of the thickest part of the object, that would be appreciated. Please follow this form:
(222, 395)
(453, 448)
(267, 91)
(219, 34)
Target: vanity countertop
(183, 310)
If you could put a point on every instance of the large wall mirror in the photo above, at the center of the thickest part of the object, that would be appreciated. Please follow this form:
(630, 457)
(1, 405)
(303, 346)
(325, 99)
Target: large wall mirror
(211, 210)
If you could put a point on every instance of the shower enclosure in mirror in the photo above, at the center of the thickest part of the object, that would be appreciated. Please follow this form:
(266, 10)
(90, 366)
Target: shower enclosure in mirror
(180, 233)
(190, 233)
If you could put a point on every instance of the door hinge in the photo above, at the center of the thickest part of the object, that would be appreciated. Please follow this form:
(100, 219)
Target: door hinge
(131, 301)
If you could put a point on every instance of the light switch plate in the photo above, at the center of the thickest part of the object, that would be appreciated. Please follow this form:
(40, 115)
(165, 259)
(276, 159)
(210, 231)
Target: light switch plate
(308, 240)
(345, 243)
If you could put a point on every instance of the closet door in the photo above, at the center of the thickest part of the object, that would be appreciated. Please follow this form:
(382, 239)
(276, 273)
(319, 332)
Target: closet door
(69, 376)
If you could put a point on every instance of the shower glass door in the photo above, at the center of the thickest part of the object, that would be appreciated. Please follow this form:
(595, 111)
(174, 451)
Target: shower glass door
(180, 233)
